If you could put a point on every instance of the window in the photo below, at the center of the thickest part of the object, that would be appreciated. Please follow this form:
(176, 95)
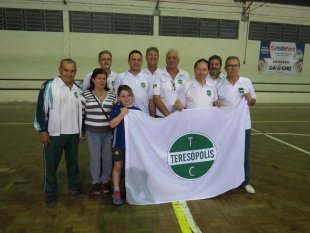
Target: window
(279, 32)
(31, 20)
(198, 27)
(111, 23)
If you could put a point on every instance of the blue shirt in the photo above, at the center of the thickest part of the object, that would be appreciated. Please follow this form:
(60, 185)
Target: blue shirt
(119, 131)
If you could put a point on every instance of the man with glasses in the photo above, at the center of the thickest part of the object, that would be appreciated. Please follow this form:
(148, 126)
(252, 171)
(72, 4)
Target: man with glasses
(167, 85)
(105, 62)
(234, 90)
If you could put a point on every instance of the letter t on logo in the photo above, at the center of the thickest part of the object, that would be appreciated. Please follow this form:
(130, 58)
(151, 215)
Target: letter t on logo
(190, 141)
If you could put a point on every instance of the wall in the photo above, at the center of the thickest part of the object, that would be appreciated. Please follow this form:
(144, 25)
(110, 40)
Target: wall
(35, 55)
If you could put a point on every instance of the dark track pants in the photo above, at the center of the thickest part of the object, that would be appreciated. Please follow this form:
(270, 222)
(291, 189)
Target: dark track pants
(247, 157)
(52, 156)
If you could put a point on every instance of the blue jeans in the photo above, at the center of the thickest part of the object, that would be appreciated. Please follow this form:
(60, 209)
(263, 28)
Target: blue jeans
(100, 152)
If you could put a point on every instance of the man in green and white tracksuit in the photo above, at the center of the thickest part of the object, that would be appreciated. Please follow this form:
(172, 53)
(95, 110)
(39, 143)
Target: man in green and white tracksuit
(59, 120)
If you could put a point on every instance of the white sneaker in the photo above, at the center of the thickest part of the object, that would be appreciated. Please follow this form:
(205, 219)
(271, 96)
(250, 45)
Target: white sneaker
(249, 188)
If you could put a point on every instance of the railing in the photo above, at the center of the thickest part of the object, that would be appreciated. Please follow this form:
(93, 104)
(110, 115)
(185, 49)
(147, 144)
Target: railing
(259, 86)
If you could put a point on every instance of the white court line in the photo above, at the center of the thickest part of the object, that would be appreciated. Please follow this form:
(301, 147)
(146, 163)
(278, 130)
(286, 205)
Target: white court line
(256, 133)
(255, 130)
(190, 220)
(283, 142)
(293, 134)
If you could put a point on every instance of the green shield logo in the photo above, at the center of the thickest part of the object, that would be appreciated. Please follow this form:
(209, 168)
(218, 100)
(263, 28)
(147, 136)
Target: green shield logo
(191, 156)
(241, 90)
(143, 85)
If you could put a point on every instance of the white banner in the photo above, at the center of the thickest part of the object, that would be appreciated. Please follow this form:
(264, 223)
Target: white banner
(189, 155)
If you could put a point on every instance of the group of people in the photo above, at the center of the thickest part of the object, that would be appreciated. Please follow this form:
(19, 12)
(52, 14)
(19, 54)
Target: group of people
(67, 112)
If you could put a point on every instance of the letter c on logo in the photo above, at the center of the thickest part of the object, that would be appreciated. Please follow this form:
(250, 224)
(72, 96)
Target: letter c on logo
(190, 171)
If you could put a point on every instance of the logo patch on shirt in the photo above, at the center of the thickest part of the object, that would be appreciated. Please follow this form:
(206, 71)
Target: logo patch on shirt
(76, 95)
(241, 90)
(143, 85)
(180, 81)
(208, 93)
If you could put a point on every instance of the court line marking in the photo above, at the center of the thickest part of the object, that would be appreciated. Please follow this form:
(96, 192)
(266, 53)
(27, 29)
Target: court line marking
(185, 228)
(189, 217)
(293, 134)
(283, 142)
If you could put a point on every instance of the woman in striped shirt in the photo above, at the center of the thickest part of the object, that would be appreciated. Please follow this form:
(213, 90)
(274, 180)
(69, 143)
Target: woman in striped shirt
(97, 103)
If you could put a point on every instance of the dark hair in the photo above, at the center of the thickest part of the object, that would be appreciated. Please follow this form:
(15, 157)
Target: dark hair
(94, 75)
(215, 57)
(68, 60)
(199, 61)
(132, 52)
(124, 88)
(232, 58)
(104, 52)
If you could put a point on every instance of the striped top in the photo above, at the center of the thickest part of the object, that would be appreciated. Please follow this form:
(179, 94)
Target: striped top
(94, 119)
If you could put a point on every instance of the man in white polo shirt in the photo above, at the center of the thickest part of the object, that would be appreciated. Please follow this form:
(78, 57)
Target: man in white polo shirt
(58, 120)
(152, 71)
(105, 62)
(198, 92)
(137, 81)
(167, 85)
(233, 90)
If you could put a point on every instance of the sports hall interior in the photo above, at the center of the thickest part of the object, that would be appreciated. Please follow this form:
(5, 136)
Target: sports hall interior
(36, 34)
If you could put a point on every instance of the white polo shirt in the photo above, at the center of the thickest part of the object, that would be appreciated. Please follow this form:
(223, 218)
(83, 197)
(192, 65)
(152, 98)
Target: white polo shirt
(111, 80)
(231, 94)
(217, 82)
(68, 108)
(141, 88)
(150, 76)
(168, 88)
(194, 95)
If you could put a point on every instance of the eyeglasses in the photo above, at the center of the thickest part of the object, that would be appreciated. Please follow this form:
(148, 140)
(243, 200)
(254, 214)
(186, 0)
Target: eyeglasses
(235, 66)
(173, 86)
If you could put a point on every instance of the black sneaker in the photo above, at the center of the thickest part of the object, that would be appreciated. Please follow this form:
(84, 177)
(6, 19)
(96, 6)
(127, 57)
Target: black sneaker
(106, 188)
(96, 189)
(51, 201)
(77, 193)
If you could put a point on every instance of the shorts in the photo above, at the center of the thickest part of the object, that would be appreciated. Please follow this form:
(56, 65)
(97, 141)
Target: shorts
(118, 154)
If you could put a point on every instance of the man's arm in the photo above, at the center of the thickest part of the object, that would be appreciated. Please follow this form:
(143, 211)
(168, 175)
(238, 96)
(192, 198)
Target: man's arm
(160, 105)
(41, 117)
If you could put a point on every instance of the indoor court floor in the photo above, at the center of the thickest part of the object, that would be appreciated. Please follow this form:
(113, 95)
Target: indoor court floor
(280, 171)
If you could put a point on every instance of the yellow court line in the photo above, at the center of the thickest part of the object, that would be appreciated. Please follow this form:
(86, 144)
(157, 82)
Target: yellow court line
(185, 228)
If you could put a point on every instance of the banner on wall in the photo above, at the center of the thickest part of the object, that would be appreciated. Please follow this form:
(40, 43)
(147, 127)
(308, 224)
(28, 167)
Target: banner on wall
(189, 155)
(281, 57)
